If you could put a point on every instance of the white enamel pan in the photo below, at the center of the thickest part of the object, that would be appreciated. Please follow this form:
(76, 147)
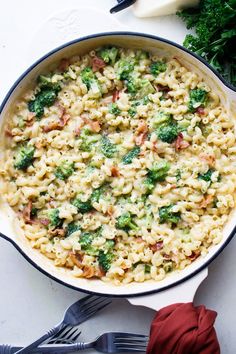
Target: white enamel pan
(176, 287)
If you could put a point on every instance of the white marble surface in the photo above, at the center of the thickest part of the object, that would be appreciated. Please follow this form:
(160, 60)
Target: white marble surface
(30, 302)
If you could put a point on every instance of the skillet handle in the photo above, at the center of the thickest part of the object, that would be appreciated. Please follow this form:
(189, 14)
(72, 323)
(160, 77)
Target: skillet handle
(184, 292)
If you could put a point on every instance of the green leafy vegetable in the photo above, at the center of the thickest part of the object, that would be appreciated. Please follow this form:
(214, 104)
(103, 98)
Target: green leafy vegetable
(71, 228)
(109, 55)
(53, 215)
(214, 23)
(157, 173)
(83, 207)
(132, 112)
(87, 76)
(160, 118)
(96, 195)
(88, 139)
(114, 109)
(197, 98)
(207, 175)
(128, 158)
(24, 157)
(125, 222)
(168, 132)
(157, 67)
(86, 239)
(125, 68)
(166, 214)
(105, 260)
(108, 149)
(64, 170)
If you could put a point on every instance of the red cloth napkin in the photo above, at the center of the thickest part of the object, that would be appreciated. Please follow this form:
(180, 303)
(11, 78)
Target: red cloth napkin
(183, 329)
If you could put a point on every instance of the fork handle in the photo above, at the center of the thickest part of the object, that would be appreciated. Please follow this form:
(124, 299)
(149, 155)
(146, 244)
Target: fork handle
(36, 343)
(47, 348)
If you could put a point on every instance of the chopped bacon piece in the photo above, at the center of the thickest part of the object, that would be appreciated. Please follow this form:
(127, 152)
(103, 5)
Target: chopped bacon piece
(95, 126)
(115, 96)
(76, 259)
(63, 65)
(44, 222)
(206, 201)
(100, 272)
(162, 88)
(115, 172)
(139, 239)
(209, 158)
(58, 125)
(180, 143)
(77, 131)
(8, 132)
(88, 271)
(141, 133)
(194, 255)
(201, 111)
(157, 247)
(27, 212)
(98, 63)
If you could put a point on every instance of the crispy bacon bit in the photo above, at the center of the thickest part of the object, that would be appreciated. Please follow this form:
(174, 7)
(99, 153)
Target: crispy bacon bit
(58, 125)
(201, 111)
(100, 272)
(210, 159)
(139, 239)
(27, 212)
(180, 143)
(94, 124)
(115, 172)
(76, 259)
(115, 96)
(77, 131)
(88, 271)
(162, 88)
(110, 210)
(8, 132)
(157, 247)
(63, 65)
(206, 201)
(141, 133)
(154, 147)
(194, 255)
(98, 63)
(57, 232)
(44, 222)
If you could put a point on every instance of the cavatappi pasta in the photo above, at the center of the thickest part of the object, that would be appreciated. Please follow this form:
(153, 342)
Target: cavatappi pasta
(120, 165)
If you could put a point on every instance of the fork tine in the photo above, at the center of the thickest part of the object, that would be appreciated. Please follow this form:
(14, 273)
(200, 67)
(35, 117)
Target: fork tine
(92, 310)
(55, 336)
(76, 335)
(138, 342)
(129, 335)
(95, 303)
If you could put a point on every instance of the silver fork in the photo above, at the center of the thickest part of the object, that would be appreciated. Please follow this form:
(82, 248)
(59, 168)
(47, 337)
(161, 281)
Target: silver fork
(67, 335)
(112, 342)
(77, 313)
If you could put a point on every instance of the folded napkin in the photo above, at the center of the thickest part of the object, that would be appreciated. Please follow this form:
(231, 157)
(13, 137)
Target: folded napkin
(183, 329)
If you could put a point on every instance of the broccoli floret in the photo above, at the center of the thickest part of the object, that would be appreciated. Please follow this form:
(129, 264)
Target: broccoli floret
(158, 67)
(114, 109)
(167, 215)
(65, 170)
(125, 222)
(178, 175)
(157, 173)
(88, 139)
(141, 54)
(147, 268)
(24, 157)
(144, 89)
(83, 207)
(108, 246)
(45, 97)
(105, 260)
(128, 158)
(109, 55)
(34, 212)
(132, 111)
(168, 267)
(71, 228)
(197, 98)
(160, 118)
(125, 68)
(207, 175)
(53, 215)
(86, 239)
(108, 149)
(168, 132)
(87, 76)
(132, 85)
(96, 195)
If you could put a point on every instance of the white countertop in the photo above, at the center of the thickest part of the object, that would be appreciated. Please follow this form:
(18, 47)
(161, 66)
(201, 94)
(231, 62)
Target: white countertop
(30, 303)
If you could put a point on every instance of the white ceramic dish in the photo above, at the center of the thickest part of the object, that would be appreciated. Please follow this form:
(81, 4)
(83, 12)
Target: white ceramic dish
(8, 222)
